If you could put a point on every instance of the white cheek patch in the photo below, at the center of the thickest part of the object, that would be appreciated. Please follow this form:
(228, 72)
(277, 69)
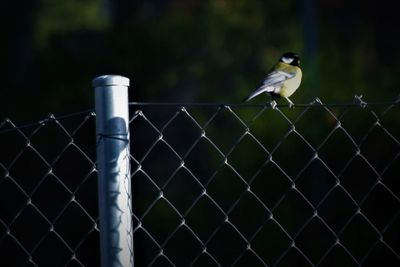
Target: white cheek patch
(287, 60)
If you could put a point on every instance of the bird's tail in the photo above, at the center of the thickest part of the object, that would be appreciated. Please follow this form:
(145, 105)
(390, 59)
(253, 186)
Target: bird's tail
(246, 99)
(260, 90)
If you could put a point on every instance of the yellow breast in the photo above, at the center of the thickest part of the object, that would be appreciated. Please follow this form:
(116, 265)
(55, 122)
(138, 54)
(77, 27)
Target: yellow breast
(290, 86)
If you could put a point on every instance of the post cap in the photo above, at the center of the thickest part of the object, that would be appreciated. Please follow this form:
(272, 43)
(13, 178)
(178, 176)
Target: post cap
(109, 80)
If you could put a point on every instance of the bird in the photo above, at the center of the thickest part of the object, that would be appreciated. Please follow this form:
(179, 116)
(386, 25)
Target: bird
(282, 80)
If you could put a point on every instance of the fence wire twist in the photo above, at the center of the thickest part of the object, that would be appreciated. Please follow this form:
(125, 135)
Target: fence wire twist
(213, 185)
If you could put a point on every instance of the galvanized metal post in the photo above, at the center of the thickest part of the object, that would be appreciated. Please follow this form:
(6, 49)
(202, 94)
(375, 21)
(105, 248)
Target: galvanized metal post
(112, 129)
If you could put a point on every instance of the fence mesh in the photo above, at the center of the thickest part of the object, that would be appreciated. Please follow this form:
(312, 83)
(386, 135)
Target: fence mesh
(213, 185)
(48, 193)
(266, 185)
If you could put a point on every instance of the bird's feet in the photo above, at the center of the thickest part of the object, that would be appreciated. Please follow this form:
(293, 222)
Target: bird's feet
(273, 104)
(291, 104)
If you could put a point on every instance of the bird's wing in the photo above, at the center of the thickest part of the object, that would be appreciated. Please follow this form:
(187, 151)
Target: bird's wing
(276, 78)
(271, 83)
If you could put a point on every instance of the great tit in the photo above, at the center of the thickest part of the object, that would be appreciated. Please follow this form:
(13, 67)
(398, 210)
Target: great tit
(283, 79)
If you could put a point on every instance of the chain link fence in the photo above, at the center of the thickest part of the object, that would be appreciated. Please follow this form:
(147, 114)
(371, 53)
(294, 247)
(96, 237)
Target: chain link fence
(212, 185)
(264, 185)
(48, 192)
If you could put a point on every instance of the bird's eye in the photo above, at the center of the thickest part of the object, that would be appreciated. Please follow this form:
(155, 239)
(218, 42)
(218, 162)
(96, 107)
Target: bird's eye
(287, 60)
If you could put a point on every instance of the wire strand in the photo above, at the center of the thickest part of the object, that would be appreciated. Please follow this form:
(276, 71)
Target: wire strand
(48, 118)
(219, 104)
(315, 103)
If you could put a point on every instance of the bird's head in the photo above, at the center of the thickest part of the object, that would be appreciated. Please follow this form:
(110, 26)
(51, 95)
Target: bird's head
(291, 59)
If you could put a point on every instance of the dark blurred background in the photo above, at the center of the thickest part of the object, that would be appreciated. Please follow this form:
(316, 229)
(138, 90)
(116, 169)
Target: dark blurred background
(204, 51)
(192, 50)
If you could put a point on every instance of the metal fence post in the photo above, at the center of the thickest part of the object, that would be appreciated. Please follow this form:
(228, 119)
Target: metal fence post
(112, 130)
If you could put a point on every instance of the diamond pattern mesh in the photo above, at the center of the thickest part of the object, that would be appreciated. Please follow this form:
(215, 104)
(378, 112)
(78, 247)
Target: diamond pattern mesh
(48, 193)
(266, 185)
(213, 185)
